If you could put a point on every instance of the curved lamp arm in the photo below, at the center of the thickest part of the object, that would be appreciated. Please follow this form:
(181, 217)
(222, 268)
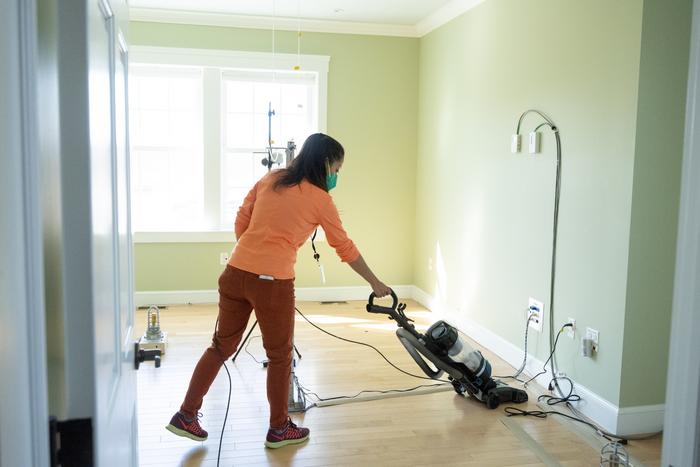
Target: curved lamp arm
(555, 224)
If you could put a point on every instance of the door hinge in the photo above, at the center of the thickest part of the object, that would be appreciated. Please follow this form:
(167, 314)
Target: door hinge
(142, 355)
(71, 442)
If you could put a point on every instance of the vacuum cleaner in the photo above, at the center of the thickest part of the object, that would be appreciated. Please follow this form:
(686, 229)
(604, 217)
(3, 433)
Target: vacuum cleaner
(466, 368)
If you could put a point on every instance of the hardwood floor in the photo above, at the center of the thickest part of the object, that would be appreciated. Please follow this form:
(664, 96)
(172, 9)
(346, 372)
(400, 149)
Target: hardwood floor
(429, 429)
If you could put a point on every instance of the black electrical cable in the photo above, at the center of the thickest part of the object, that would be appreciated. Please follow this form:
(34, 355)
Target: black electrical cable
(554, 400)
(313, 245)
(223, 426)
(228, 401)
(562, 399)
(364, 344)
(572, 397)
(554, 384)
(554, 348)
(515, 412)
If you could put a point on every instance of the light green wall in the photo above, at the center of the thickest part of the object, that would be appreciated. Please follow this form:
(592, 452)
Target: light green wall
(655, 199)
(612, 77)
(484, 215)
(372, 111)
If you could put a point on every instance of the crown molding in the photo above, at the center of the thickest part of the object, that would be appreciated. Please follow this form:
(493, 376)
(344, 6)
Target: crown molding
(433, 21)
(157, 15)
(444, 15)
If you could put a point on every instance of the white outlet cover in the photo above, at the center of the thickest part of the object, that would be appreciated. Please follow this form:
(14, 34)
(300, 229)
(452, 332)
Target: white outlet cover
(592, 334)
(571, 331)
(536, 322)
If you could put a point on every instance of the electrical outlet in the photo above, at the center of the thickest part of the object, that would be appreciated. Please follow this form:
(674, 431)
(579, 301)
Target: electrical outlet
(571, 330)
(223, 258)
(535, 314)
(592, 334)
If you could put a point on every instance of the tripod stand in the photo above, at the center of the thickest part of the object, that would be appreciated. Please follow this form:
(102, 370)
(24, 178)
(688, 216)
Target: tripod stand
(296, 401)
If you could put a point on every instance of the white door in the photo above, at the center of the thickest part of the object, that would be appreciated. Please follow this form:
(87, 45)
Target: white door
(24, 439)
(115, 433)
(681, 444)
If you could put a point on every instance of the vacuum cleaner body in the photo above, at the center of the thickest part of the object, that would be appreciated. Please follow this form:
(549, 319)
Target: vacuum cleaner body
(449, 353)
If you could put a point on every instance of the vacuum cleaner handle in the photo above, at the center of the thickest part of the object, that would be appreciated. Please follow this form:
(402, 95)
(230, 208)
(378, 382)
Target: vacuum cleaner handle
(372, 308)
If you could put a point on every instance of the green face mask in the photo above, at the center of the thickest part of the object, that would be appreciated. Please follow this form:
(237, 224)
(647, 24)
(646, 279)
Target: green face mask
(331, 181)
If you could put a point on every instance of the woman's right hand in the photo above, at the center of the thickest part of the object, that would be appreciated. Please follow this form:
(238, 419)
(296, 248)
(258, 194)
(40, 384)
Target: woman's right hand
(380, 289)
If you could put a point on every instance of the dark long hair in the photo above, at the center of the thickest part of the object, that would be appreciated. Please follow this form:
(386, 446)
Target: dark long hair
(317, 154)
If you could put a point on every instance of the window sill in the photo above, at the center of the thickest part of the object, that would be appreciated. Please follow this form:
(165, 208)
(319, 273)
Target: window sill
(220, 236)
(213, 236)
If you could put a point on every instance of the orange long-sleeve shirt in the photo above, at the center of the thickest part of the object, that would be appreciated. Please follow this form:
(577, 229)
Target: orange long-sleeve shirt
(272, 225)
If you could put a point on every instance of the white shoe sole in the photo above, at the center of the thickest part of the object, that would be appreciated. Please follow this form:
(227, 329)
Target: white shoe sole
(280, 444)
(185, 434)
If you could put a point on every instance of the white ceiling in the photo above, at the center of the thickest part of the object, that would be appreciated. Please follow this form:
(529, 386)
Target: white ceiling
(390, 12)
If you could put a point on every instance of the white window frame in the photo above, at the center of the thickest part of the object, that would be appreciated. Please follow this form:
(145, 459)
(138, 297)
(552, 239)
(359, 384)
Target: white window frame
(209, 59)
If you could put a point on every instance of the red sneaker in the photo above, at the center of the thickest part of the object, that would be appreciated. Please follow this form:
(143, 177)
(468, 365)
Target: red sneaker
(290, 434)
(189, 429)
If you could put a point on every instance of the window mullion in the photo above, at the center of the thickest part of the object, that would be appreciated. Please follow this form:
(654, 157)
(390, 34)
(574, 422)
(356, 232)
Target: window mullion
(211, 121)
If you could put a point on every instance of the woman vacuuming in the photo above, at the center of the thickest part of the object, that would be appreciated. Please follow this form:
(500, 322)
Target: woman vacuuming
(277, 216)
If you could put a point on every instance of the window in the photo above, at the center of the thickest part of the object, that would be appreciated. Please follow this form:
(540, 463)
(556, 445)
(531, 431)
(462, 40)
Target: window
(200, 127)
(166, 148)
(246, 101)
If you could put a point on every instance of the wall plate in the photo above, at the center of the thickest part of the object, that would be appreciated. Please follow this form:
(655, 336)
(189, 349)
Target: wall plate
(535, 314)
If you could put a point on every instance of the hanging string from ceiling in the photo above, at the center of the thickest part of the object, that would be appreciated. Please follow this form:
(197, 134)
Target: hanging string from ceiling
(297, 67)
(274, 32)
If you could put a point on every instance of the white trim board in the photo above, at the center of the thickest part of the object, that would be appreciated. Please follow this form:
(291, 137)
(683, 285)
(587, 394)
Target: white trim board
(621, 421)
(311, 294)
(213, 236)
(185, 237)
(443, 15)
(227, 58)
(199, 18)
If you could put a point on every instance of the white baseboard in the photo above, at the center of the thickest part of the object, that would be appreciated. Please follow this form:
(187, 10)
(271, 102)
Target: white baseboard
(640, 419)
(620, 421)
(312, 294)
(175, 297)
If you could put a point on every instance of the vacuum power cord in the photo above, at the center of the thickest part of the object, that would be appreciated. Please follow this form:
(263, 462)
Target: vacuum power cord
(223, 426)
(228, 400)
(366, 345)
(384, 391)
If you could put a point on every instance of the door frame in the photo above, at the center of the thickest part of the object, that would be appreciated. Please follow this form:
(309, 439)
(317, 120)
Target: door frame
(681, 441)
(24, 434)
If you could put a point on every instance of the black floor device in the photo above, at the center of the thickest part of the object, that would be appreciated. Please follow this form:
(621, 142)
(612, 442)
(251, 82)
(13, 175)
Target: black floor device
(450, 353)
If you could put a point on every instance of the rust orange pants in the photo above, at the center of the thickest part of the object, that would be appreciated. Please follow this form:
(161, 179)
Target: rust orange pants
(240, 292)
